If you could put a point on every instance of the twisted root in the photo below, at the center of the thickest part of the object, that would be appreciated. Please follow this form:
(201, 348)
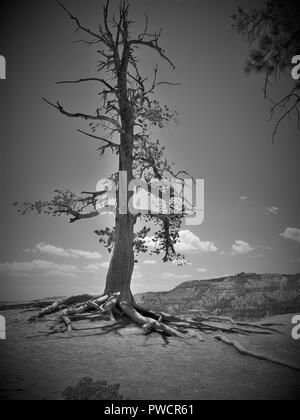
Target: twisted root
(256, 355)
(103, 306)
(113, 308)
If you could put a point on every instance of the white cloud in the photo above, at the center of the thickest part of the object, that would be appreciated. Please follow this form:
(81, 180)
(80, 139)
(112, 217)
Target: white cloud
(291, 233)
(201, 270)
(63, 274)
(96, 267)
(273, 210)
(39, 267)
(93, 268)
(170, 276)
(137, 276)
(241, 247)
(150, 262)
(190, 243)
(105, 264)
(68, 253)
(47, 269)
(244, 197)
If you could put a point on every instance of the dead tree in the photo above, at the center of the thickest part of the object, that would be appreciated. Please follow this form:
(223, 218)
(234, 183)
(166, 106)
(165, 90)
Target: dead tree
(125, 117)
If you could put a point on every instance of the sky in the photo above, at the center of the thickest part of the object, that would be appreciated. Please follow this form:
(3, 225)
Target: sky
(224, 136)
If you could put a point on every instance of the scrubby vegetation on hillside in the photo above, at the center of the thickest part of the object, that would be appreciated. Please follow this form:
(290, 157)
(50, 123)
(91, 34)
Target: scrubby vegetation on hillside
(89, 390)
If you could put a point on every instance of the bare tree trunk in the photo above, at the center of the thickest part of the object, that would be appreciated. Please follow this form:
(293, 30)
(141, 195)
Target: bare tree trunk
(122, 262)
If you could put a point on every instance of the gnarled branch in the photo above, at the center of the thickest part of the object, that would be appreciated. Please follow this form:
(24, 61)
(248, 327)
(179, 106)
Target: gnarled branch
(108, 142)
(79, 25)
(153, 45)
(97, 117)
(89, 79)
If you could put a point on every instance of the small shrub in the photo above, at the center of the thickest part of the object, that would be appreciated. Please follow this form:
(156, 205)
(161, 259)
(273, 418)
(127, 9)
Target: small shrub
(89, 390)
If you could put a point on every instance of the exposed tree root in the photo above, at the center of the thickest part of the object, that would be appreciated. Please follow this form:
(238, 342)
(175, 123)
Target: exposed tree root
(256, 355)
(104, 305)
(149, 324)
(114, 308)
(64, 303)
(264, 327)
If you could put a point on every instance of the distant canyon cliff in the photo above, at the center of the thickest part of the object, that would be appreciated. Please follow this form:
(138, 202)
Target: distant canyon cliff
(245, 296)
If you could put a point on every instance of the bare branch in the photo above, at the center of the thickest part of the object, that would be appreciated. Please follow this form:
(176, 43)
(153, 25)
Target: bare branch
(82, 216)
(109, 34)
(109, 143)
(94, 194)
(85, 41)
(145, 33)
(79, 25)
(292, 108)
(97, 117)
(90, 79)
(153, 45)
(282, 104)
(177, 175)
(168, 84)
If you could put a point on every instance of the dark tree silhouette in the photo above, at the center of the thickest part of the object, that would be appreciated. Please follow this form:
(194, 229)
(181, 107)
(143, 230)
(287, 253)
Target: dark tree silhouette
(273, 35)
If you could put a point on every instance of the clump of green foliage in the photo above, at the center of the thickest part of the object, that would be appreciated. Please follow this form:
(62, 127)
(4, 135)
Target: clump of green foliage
(89, 390)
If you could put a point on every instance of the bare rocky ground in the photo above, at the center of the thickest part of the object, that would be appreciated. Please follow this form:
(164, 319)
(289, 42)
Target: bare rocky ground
(36, 366)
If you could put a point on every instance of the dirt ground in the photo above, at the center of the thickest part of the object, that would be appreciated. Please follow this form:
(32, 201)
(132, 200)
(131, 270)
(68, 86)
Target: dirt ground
(34, 366)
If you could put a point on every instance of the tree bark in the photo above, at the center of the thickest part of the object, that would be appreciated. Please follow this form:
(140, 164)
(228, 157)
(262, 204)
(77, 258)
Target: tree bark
(122, 262)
